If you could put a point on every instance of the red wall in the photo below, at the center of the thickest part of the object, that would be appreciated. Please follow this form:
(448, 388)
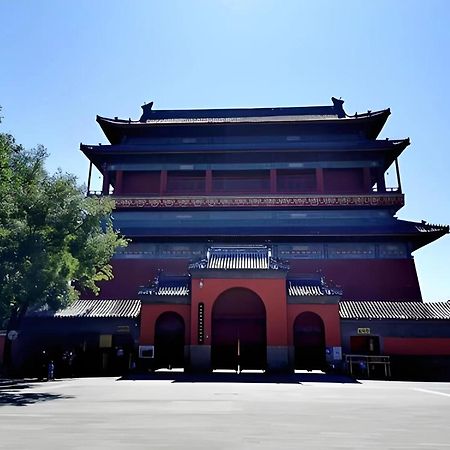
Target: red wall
(280, 317)
(342, 181)
(150, 314)
(140, 183)
(416, 346)
(129, 274)
(328, 313)
(361, 279)
(366, 279)
(271, 291)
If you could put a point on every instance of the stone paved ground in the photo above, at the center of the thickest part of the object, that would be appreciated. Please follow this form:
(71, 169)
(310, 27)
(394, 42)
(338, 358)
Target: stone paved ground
(167, 412)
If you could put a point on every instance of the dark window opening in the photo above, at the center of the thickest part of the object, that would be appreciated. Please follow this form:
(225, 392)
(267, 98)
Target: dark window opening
(189, 182)
(296, 181)
(241, 182)
(344, 181)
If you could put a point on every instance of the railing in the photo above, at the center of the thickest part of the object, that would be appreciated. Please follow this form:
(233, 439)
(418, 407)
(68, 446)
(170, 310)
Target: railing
(389, 190)
(98, 193)
(386, 190)
(364, 365)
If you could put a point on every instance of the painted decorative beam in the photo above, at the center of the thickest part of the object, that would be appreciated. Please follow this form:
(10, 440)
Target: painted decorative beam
(273, 201)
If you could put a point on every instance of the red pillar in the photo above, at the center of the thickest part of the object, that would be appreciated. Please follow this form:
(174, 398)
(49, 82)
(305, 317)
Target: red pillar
(163, 182)
(119, 182)
(273, 181)
(381, 183)
(367, 180)
(208, 182)
(319, 180)
(105, 186)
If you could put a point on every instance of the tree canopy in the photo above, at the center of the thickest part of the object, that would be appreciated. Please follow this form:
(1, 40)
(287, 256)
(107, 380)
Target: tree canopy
(54, 241)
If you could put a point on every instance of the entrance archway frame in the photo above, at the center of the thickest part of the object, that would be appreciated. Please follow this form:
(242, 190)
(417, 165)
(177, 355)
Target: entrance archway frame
(149, 316)
(238, 331)
(268, 285)
(329, 313)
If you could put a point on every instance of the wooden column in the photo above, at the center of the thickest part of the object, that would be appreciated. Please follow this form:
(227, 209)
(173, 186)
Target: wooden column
(89, 178)
(399, 181)
(273, 181)
(119, 183)
(381, 183)
(319, 181)
(163, 182)
(367, 179)
(208, 181)
(105, 186)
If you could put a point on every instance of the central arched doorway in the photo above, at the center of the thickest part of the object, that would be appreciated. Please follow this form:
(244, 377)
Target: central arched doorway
(169, 341)
(238, 331)
(309, 341)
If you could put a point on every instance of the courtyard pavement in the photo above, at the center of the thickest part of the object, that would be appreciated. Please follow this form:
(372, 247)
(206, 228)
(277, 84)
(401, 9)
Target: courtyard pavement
(247, 411)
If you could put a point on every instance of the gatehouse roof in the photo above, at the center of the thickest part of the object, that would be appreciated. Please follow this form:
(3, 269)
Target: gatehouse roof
(311, 287)
(247, 257)
(167, 286)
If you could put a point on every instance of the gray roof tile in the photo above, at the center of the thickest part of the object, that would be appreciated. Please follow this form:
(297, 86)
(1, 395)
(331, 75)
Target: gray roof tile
(399, 310)
(251, 257)
(102, 308)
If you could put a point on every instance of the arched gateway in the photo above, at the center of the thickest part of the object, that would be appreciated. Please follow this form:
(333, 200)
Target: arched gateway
(169, 340)
(238, 331)
(309, 341)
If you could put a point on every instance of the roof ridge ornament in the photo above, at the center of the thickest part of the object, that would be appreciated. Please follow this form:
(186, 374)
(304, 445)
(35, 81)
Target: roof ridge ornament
(338, 105)
(146, 109)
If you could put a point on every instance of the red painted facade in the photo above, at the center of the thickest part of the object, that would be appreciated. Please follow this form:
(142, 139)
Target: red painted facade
(416, 346)
(272, 292)
(329, 315)
(150, 314)
(363, 279)
(307, 184)
(368, 279)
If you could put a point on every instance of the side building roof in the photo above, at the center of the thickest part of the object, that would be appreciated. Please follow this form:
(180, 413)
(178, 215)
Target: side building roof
(102, 308)
(372, 310)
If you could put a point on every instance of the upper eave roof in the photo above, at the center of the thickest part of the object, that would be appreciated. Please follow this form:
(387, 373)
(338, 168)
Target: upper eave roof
(115, 129)
(385, 145)
(419, 234)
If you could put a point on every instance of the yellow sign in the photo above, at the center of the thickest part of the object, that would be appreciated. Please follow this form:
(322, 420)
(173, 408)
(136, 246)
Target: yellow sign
(105, 341)
(363, 330)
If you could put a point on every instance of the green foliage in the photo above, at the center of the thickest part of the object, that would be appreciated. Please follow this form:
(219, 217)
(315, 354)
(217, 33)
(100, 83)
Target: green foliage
(54, 241)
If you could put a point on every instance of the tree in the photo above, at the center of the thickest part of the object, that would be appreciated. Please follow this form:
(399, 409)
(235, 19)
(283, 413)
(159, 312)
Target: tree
(54, 241)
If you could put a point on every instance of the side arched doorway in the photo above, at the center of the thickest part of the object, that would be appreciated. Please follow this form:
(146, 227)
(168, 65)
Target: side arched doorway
(169, 340)
(309, 341)
(238, 331)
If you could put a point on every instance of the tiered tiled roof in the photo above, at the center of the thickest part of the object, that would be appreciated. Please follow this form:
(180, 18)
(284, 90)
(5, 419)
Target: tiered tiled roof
(394, 310)
(102, 309)
(251, 257)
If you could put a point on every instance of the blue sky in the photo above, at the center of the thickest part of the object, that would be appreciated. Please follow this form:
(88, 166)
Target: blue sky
(63, 62)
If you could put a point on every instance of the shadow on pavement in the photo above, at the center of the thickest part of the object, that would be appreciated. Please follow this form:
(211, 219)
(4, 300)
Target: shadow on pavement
(11, 392)
(298, 378)
(25, 399)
